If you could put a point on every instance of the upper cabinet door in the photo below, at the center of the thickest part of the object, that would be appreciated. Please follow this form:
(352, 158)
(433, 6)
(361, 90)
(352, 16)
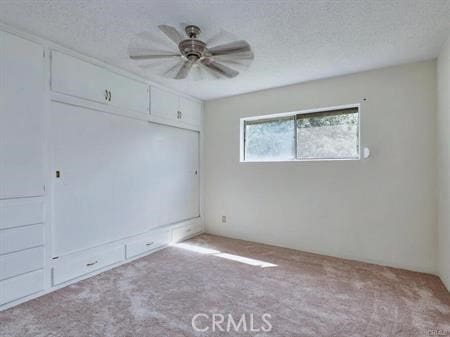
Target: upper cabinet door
(163, 104)
(180, 111)
(74, 77)
(128, 94)
(78, 78)
(191, 111)
(21, 116)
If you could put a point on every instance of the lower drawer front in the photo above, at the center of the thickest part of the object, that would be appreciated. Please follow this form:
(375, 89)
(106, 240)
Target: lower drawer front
(70, 267)
(19, 238)
(21, 286)
(21, 212)
(14, 264)
(185, 231)
(148, 243)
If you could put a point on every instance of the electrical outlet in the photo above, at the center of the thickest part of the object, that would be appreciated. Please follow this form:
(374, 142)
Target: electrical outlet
(224, 219)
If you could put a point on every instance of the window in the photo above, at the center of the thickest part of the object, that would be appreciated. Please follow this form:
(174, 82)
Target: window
(270, 139)
(329, 134)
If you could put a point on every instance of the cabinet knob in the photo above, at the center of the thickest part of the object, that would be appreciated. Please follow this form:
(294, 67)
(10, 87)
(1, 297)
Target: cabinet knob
(106, 95)
(91, 263)
(110, 95)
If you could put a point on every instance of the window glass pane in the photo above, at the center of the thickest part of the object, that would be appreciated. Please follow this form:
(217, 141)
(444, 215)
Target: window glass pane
(328, 135)
(270, 140)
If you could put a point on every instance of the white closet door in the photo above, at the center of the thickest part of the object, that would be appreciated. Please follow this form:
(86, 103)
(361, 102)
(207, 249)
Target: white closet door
(184, 181)
(78, 78)
(193, 195)
(191, 111)
(118, 176)
(128, 94)
(21, 109)
(163, 103)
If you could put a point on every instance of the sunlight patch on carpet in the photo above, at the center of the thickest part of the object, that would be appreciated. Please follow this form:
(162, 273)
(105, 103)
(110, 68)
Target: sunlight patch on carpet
(231, 257)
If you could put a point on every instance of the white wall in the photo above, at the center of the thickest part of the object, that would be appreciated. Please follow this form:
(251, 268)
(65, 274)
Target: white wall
(443, 75)
(381, 210)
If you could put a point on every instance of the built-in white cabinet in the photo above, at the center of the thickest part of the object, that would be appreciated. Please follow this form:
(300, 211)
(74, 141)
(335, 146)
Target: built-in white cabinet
(171, 107)
(21, 248)
(24, 237)
(20, 286)
(147, 242)
(21, 262)
(77, 78)
(22, 97)
(81, 79)
(190, 111)
(21, 117)
(117, 177)
(186, 230)
(129, 94)
(75, 265)
(163, 103)
(119, 188)
(21, 212)
(84, 80)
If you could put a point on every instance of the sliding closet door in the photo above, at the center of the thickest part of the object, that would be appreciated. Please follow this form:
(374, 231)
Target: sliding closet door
(118, 177)
(184, 177)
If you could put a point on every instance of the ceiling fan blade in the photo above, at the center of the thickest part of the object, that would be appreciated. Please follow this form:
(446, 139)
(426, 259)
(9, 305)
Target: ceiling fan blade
(230, 48)
(156, 39)
(145, 54)
(236, 61)
(219, 68)
(148, 57)
(236, 65)
(171, 33)
(235, 57)
(158, 67)
(173, 70)
(210, 74)
(161, 66)
(205, 73)
(185, 68)
(220, 37)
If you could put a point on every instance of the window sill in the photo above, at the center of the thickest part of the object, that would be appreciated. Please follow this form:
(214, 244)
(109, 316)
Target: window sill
(301, 160)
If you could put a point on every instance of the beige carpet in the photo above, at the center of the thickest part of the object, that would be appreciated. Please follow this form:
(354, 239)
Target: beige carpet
(304, 294)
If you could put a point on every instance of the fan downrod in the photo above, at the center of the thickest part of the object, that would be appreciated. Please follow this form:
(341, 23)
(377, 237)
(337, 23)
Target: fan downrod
(192, 31)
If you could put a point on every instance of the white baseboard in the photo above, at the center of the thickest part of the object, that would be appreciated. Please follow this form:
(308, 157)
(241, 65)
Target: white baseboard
(418, 269)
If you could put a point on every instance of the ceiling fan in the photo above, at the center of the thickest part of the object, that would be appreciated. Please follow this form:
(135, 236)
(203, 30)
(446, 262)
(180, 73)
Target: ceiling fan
(194, 52)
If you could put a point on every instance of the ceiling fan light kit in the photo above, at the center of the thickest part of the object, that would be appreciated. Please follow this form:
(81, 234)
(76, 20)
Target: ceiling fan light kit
(193, 51)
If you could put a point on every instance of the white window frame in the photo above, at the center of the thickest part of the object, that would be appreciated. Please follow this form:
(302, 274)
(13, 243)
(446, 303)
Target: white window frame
(293, 114)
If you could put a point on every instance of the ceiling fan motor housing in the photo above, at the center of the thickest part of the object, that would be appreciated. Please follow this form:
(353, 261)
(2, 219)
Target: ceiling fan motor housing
(192, 48)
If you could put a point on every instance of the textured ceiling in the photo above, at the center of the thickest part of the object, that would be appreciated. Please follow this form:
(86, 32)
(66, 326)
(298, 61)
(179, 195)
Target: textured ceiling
(293, 40)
